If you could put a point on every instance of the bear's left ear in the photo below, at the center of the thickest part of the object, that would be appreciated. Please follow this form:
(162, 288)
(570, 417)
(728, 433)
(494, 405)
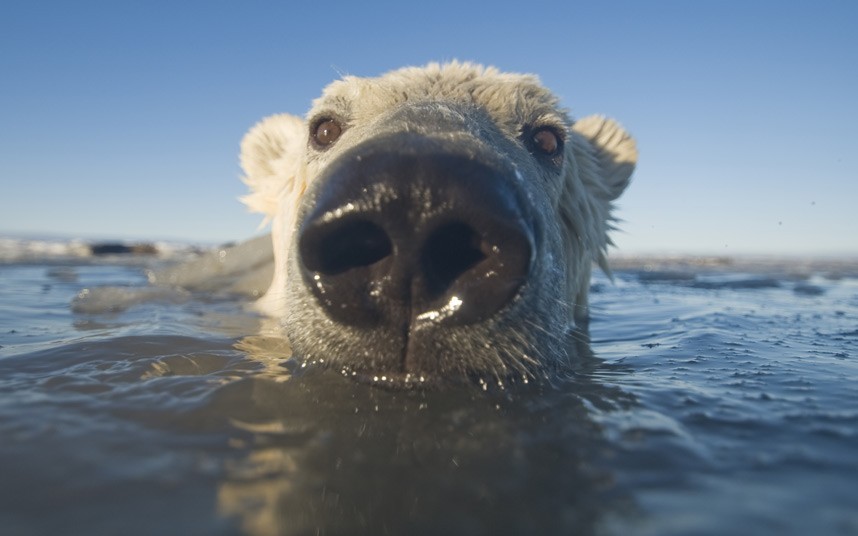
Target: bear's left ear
(271, 155)
(614, 150)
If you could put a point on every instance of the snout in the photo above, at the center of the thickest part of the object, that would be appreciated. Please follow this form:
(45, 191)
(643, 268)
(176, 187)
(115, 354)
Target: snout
(406, 237)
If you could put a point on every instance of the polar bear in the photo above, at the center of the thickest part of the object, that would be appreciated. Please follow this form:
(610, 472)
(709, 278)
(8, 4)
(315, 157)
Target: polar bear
(436, 222)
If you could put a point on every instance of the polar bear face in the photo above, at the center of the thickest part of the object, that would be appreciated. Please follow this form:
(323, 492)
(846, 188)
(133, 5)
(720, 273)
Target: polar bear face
(435, 223)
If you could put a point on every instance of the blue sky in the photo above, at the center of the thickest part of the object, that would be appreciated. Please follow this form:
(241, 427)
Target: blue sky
(123, 119)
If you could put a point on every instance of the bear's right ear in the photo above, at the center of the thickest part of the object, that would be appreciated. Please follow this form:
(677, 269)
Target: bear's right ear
(615, 152)
(271, 158)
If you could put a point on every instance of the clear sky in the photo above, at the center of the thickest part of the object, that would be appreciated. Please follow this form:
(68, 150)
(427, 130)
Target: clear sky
(122, 119)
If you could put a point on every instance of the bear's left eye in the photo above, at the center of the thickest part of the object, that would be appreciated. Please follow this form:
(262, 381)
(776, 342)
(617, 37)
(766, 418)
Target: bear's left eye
(326, 132)
(546, 141)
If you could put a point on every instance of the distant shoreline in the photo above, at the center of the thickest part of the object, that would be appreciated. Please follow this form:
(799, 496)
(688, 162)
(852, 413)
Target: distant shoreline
(798, 265)
(16, 247)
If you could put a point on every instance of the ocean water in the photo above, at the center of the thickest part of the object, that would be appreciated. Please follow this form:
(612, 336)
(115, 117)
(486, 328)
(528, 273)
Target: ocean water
(715, 396)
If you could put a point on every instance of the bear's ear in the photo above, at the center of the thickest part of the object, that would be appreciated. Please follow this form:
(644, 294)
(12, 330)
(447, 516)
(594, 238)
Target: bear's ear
(615, 153)
(271, 158)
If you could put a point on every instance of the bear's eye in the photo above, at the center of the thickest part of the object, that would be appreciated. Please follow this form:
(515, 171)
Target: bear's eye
(546, 141)
(326, 132)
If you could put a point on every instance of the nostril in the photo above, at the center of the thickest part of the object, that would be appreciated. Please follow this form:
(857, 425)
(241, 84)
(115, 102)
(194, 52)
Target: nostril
(339, 248)
(449, 252)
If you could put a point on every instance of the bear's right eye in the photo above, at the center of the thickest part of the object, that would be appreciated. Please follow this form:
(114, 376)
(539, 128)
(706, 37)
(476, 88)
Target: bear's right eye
(326, 131)
(546, 141)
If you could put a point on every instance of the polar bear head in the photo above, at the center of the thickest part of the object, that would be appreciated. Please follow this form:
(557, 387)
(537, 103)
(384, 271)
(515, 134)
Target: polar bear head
(433, 223)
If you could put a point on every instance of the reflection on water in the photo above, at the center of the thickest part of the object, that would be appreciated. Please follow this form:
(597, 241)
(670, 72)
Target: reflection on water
(406, 462)
(714, 403)
(326, 452)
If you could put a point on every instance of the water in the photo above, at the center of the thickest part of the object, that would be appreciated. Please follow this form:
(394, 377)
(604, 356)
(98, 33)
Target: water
(718, 398)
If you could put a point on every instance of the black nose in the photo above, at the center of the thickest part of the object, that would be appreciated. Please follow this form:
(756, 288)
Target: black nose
(413, 238)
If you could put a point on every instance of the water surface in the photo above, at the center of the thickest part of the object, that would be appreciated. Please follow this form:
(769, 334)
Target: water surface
(714, 398)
